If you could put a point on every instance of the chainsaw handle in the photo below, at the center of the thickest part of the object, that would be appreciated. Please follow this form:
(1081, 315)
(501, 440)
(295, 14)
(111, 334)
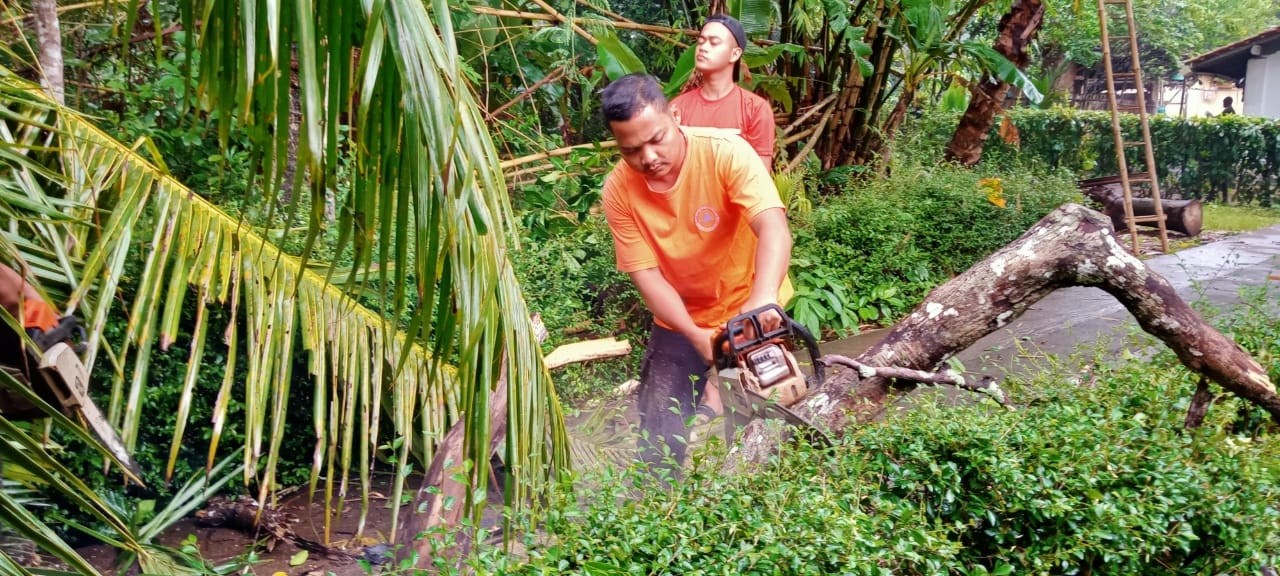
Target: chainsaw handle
(811, 345)
(727, 343)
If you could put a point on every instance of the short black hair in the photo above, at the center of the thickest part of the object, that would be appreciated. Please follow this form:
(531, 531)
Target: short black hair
(1227, 101)
(625, 97)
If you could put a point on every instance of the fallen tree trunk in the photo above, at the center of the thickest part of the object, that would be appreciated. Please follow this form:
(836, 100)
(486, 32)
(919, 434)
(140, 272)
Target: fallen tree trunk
(1182, 216)
(1072, 246)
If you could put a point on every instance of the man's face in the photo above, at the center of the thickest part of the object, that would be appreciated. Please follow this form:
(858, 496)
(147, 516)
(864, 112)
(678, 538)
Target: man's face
(650, 142)
(716, 48)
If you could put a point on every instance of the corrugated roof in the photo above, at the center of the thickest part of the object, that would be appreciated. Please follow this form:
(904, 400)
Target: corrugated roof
(1233, 59)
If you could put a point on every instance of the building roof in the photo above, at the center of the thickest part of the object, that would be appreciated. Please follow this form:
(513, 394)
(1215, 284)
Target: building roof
(1233, 59)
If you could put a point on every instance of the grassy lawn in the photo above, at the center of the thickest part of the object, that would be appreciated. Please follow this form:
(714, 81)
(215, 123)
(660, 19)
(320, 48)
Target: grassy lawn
(1239, 218)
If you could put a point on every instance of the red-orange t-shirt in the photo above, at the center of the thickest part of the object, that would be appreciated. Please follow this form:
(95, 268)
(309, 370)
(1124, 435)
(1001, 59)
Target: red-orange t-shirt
(740, 110)
(697, 234)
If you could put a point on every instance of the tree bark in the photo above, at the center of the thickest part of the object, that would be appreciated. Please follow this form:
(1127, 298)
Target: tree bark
(1017, 28)
(443, 508)
(1182, 216)
(49, 39)
(1072, 246)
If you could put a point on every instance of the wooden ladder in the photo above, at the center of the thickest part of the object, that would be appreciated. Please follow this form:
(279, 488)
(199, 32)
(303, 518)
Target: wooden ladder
(1149, 177)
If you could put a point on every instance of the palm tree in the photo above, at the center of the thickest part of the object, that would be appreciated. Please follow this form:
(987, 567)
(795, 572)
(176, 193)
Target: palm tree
(427, 213)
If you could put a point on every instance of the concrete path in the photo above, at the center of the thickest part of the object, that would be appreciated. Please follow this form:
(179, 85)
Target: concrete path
(1069, 318)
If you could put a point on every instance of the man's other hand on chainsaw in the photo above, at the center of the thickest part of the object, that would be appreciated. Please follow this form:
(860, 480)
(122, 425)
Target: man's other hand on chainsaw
(770, 319)
(21, 299)
(667, 306)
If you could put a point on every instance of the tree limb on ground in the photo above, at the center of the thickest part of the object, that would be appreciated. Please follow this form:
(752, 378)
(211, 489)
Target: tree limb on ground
(986, 385)
(1072, 246)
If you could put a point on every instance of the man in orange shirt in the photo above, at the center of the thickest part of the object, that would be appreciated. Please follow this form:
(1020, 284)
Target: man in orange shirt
(718, 101)
(698, 225)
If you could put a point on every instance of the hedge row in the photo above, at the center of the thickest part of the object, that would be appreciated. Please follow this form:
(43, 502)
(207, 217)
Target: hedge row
(1224, 159)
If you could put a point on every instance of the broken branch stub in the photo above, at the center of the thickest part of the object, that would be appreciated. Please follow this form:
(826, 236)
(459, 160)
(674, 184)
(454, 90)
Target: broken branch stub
(1072, 246)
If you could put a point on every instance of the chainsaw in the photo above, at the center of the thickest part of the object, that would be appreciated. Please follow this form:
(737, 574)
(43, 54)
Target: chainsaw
(767, 375)
(61, 380)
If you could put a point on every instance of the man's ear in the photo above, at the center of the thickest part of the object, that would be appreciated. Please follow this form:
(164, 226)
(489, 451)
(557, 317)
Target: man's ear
(675, 112)
(735, 55)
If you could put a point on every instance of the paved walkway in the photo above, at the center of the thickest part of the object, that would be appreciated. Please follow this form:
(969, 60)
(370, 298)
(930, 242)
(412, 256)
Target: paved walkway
(1063, 321)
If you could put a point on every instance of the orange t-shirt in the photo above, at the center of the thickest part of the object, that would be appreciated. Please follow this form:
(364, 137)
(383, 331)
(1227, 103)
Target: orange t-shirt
(697, 234)
(748, 113)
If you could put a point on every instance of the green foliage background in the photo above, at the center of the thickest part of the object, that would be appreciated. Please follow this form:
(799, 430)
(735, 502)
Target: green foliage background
(1226, 158)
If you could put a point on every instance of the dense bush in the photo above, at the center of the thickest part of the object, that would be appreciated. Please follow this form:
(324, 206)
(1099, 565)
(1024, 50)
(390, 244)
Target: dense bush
(888, 242)
(1226, 158)
(1092, 478)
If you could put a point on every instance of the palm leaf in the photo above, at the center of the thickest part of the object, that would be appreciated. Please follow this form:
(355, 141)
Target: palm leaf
(423, 158)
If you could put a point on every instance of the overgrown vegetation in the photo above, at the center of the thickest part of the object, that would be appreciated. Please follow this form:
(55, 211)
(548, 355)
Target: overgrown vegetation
(1089, 475)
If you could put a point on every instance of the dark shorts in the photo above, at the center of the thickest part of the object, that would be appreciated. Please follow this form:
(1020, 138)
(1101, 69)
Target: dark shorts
(672, 378)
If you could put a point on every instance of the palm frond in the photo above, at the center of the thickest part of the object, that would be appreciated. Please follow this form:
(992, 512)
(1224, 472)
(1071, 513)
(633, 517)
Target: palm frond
(427, 214)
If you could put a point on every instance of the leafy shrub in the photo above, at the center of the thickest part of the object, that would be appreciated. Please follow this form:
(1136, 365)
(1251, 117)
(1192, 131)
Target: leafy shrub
(572, 282)
(1093, 478)
(1225, 158)
(889, 241)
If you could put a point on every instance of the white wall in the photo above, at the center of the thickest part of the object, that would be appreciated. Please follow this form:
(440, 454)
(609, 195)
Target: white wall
(1204, 98)
(1262, 87)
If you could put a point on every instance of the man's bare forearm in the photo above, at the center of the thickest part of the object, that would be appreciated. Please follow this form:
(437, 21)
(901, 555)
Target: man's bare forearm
(773, 255)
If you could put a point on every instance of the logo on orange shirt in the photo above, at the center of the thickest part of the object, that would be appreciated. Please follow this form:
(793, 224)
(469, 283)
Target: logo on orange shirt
(706, 219)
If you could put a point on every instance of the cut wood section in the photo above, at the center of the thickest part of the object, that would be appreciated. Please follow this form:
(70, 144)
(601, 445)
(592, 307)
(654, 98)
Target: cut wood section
(1182, 216)
(1072, 246)
(586, 351)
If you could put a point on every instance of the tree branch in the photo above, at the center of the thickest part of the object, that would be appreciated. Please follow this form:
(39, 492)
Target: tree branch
(987, 385)
(1072, 246)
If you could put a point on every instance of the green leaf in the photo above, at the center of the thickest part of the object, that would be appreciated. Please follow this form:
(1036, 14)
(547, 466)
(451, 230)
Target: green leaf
(997, 65)
(756, 16)
(776, 88)
(298, 559)
(684, 69)
(757, 57)
(618, 60)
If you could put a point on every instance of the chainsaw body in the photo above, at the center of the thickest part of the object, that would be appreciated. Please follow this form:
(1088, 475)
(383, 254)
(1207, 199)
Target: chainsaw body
(55, 374)
(763, 359)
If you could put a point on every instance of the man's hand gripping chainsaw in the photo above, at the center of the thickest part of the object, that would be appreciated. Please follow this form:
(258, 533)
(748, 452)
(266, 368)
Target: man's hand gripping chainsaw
(768, 375)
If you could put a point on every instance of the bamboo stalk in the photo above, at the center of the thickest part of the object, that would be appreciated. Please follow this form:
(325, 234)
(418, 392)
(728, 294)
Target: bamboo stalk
(572, 22)
(556, 153)
(799, 136)
(809, 114)
(817, 135)
(552, 77)
(625, 25)
(530, 170)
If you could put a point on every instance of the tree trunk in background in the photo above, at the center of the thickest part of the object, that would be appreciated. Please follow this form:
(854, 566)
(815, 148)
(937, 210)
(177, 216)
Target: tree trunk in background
(49, 37)
(1017, 29)
(1072, 246)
